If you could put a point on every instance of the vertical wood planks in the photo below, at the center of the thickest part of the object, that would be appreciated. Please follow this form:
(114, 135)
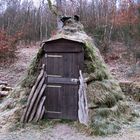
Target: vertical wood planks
(64, 59)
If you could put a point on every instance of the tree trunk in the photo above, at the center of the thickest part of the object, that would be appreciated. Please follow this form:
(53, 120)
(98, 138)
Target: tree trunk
(59, 8)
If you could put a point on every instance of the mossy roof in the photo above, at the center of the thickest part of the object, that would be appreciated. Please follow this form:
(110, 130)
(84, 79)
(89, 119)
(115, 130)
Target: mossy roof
(76, 37)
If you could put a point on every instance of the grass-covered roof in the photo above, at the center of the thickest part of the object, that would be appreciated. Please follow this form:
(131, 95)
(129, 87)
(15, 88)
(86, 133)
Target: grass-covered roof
(108, 108)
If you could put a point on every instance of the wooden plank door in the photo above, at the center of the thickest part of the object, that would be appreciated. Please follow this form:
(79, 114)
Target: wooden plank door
(62, 85)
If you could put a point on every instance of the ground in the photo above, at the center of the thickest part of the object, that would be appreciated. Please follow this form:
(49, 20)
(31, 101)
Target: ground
(122, 64)
(13, 73)
(62, 131)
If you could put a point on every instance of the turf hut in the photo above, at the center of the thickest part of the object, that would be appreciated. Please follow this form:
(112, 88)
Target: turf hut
(68, 79)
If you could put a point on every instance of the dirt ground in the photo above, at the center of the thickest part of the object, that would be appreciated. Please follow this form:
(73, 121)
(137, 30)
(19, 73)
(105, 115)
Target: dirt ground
(63, 132)
(122, 65)
(13, 73)
(60, 131)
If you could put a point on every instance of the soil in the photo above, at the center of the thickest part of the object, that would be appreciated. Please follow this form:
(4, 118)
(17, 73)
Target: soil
(13, 73)
(61, 131)
(122, 64)
(64, 132)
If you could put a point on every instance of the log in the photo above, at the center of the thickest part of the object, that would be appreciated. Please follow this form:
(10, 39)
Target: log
(3, 94)
(42, 113)
(3, 83)
(39, 110)
(32, 93)
(37, 102)
(36, 83)
(82, 103)
(32, 101)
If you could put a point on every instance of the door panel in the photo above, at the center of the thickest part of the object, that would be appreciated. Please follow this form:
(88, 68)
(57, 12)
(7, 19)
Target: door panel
(53, 101)
(70, 63)
(54, 65)
(62, 71)
(70, 102)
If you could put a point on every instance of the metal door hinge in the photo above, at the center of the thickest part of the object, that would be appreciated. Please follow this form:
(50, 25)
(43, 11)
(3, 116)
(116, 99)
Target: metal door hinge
(74, 80)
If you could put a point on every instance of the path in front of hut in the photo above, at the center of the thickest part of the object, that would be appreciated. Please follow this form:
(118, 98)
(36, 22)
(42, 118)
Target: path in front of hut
(59, 131)
(63, 132)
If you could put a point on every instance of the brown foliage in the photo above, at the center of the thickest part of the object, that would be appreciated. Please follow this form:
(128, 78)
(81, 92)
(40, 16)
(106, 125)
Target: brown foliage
(127, 15)
(8, 45)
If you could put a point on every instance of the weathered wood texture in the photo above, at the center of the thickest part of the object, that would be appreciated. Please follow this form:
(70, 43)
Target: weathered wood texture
(83, 107)
(63, 45)
(64, 58)
(35, 100)
(40, 109)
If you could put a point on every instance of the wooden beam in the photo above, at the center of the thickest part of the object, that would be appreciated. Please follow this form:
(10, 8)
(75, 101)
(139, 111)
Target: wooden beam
(32, 101)
(33, 111)
(31, 94)
(42, 113)
(39, 110)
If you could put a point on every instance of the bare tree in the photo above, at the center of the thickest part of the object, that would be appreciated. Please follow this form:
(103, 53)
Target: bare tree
(59, 9)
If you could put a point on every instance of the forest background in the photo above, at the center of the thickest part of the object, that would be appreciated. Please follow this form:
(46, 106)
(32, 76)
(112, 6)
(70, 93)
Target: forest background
(23, 21)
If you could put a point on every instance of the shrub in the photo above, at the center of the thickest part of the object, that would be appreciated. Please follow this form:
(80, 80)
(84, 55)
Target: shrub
(8, 45)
